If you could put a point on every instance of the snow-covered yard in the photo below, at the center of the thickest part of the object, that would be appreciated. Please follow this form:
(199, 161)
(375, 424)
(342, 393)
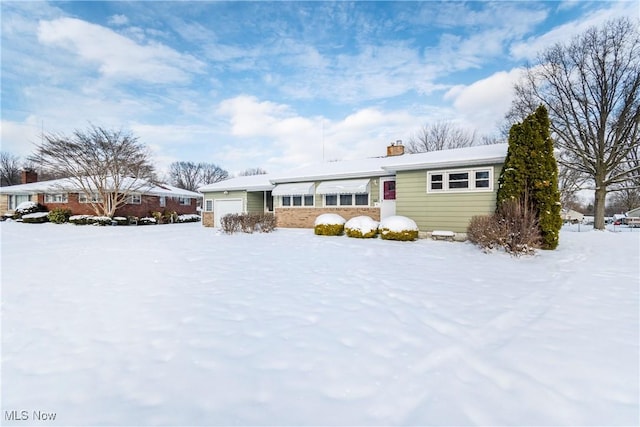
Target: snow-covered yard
(181, 325)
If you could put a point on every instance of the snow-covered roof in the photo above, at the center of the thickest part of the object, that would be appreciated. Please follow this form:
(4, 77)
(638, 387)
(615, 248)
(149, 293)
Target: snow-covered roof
(381, 166)
(366, 168)
(458, 157)
(250, 183)
(67, 184)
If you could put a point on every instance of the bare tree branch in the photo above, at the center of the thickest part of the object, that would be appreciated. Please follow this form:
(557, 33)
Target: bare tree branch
(108, 166)
(591, 88)
(440, 136)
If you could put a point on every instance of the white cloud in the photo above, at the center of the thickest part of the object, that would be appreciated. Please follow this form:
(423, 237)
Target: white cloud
(287, 139)
(529, 48)
(483, 104)
(118, 56)
(118, 20)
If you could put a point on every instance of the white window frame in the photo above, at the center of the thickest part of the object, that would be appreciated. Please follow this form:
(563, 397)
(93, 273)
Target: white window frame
(162, 200)
(134, 199)
(208, 205)
(303, 201)
(95, 198)
(471, 179)
(56, 198)
(353, 200)
(184, 201)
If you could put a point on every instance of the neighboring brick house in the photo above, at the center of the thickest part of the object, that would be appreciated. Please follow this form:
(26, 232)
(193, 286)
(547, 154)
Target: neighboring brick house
(439, 190)
(63, 193)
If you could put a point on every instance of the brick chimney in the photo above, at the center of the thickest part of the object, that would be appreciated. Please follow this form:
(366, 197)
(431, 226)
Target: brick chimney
(28, 176)
(395, 149)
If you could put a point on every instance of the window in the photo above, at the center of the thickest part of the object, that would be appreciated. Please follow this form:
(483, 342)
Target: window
(437, 181)
(346, 199)
(297, 201)
(15, 200)
(208, 205)
(482, 179)
(184, 201)
(56, 198)
(163, 201)
(363, 199)
(93, 198)
(134, 199)
(460, 180)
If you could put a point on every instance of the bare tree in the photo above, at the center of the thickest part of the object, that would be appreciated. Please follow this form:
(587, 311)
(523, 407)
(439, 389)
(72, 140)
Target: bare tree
(107, 166)
(185, 175)
(191, 176)
(441, 135)
(591, 88)
(212, 173)
(253, 171)
(9, 169)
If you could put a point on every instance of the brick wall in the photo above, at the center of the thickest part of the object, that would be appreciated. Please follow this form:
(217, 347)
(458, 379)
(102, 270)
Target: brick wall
(148, 204)
(208, 219)
(305, 217)
(4, 203)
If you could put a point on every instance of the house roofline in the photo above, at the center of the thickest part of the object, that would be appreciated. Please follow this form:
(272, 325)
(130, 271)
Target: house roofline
(444, 165)
(330, 177)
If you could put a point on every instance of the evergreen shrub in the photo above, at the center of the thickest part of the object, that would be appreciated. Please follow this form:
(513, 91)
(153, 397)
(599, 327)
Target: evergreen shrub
(35, 218)
(26, 208)
(329, 225)
(121, 220)
(362, 227)
(398, 228)
(147, 220)
(59, 215)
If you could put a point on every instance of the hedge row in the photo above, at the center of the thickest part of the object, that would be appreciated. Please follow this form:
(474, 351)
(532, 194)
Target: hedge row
(248, 222)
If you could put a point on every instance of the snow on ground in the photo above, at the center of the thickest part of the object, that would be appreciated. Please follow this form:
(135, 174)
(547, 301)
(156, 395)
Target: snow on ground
(183, 325)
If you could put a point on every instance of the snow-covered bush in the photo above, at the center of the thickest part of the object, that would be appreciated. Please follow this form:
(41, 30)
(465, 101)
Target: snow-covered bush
(121, 220)
(90, 220)
(26, 208)
(398, 228)
(35, 218)
(361, 227)
(147, 220)
(188, 218)
(59, 215)
(329, 225)
(79, 219)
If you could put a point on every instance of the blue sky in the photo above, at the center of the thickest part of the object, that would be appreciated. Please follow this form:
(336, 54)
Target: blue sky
(271, 84)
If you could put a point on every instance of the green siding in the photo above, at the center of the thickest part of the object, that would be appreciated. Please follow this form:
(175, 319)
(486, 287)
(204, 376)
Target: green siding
(255, 202)
(238, 194)
(441, 211)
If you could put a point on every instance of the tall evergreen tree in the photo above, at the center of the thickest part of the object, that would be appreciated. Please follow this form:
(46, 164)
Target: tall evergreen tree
(530, 174)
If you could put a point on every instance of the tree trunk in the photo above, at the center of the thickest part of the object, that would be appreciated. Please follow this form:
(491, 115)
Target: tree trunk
(599, 205)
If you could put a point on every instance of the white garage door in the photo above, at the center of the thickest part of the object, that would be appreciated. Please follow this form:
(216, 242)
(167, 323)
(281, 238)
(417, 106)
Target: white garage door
(224, 207)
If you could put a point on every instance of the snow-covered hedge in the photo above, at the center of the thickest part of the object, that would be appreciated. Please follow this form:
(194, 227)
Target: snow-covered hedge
(26, 208)
(36, 218)
(361, 227)
(90, 220)
(329, 225)
(188, 218)
(398, 228)
(121, 220)
(147, 220)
